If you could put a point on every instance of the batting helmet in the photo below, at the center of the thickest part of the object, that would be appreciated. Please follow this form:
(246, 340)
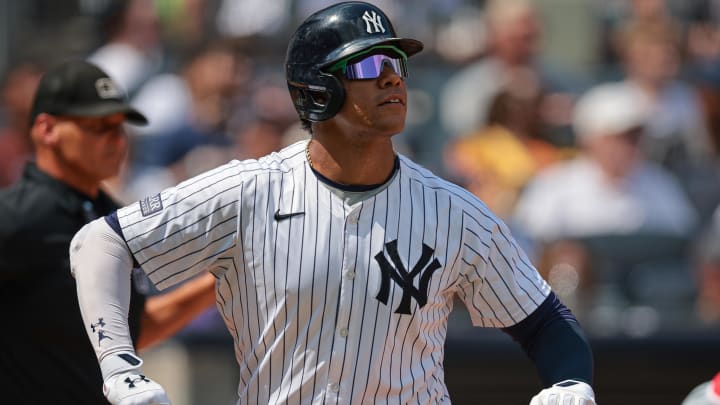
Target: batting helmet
(326, 37)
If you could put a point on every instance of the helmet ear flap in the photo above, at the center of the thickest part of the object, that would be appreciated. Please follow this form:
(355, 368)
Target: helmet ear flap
(320, 100)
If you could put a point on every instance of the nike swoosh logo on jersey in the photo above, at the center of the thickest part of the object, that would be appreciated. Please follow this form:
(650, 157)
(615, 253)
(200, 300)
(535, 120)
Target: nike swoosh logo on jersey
(280, 217)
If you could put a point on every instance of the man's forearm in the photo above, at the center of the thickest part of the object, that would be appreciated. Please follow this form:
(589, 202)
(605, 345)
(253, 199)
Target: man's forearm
(165, 314)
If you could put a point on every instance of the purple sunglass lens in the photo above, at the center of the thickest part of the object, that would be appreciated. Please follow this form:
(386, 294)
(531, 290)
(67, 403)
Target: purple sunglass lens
(372, 66)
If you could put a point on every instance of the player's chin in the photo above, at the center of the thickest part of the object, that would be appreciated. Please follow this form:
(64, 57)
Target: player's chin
(387, 130)
(393, 123)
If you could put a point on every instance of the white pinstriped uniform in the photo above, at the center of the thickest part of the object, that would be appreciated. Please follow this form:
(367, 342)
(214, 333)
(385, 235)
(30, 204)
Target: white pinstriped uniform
(303, 296)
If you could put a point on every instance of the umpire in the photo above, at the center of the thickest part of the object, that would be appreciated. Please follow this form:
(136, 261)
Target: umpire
(77, 130)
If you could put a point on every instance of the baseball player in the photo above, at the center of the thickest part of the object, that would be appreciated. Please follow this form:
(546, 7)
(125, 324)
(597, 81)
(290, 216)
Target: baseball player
(337, 259)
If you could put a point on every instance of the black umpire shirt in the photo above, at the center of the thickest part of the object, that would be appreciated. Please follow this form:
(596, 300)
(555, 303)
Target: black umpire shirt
(45, 355)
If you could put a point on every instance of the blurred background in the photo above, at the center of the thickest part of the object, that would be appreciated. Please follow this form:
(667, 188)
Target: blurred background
(592, 127)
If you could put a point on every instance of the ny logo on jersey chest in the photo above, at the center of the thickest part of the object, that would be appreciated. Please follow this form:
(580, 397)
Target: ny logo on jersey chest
(403, 278)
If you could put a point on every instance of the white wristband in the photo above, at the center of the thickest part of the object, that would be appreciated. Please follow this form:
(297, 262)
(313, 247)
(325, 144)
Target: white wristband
(119, 362)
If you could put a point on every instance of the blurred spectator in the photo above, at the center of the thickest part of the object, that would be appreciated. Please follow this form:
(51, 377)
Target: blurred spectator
(614, 14)
(267, 101)
(258, 139)
(677, 132)
(511, 41)
(131, 51)
(184, 24)
(513, 32)
(707, 257)
(695, 20)
(710, 101)
(18, 88)
(188, 113)
(496, 161)
(703, 43)
(191, 108)
(675, 129)
(609, 188)
(246, 18)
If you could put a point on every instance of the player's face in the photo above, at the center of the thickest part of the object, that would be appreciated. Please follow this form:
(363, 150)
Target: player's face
(92, 147)
(375, 106)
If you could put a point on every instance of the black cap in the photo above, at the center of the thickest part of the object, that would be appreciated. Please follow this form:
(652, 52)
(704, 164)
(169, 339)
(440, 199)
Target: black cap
(80, 89)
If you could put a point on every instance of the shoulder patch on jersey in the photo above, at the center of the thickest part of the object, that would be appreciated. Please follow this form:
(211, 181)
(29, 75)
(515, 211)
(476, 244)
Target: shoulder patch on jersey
(150, 205)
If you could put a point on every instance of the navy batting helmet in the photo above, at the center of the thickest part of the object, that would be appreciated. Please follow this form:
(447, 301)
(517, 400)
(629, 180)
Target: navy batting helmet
(326, 37)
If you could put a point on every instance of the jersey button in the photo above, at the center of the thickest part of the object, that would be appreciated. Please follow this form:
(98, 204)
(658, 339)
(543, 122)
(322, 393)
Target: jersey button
(334, 387)
(343, 332)
(349, 274)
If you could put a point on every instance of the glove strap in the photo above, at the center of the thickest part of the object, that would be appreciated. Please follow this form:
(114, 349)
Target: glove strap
(119, 362)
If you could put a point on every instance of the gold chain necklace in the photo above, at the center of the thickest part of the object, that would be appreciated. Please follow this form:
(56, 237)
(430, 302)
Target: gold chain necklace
(307, 154)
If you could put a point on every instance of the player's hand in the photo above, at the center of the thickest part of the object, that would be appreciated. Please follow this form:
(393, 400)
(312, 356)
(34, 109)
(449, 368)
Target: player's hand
(125, 383)
(568, 392)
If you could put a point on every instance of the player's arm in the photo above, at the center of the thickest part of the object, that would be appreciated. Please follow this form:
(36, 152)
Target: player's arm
(165, 314)
(554, 341)
(102, 265)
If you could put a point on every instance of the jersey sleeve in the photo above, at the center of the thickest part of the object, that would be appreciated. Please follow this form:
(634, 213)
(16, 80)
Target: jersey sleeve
(499, 285)
(185, 229)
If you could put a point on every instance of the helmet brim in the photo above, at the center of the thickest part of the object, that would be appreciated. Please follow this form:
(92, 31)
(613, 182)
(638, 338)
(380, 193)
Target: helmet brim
(407, 45)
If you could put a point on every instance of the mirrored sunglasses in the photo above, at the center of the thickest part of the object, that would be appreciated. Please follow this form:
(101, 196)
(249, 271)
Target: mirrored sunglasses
(372, 65)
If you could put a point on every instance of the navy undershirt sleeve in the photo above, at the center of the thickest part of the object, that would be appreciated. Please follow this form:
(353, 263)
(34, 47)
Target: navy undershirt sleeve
(554, 341)
(114, 222)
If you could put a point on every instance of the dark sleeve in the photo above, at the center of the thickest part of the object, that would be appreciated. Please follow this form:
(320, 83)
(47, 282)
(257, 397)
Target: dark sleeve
(114, 222)
(554, 341)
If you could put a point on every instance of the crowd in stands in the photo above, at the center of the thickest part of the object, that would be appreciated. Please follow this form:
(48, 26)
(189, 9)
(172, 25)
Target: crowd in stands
(591, 127)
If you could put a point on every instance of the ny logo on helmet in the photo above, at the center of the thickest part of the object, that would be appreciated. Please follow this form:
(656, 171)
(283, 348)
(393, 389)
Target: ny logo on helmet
(373, 23)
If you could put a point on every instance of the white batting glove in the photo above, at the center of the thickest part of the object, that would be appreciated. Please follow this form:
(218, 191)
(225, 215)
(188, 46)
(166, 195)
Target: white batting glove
(568, 392)
(125, 384)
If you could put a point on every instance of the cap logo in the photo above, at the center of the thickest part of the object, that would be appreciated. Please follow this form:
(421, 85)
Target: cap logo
(373, 23)
(106, 88)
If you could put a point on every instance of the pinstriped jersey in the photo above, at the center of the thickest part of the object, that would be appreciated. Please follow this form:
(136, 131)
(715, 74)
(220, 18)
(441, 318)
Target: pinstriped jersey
(330, 302)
